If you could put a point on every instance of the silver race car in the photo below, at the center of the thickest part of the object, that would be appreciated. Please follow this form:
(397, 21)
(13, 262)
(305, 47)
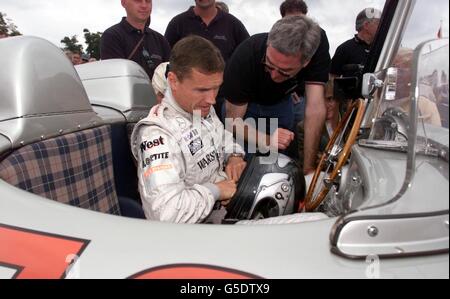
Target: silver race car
(376, 207)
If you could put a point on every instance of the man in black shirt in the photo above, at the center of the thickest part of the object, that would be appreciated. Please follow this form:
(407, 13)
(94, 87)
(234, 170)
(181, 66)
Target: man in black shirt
(133, 39)
(300, 8)
(224, 30)
(356, 50)
(265, 70)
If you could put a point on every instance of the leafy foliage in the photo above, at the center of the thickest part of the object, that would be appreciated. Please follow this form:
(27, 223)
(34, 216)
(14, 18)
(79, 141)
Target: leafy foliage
(7, 26)
(72, 44)
(93, 43)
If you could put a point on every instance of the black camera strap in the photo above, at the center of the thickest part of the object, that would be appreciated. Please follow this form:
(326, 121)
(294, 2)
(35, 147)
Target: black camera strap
(137, 46)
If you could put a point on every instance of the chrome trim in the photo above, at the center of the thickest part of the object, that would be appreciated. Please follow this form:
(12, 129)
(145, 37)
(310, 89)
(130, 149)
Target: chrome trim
(396, 146)
(23, 131)
(397, 235)
(271, 186)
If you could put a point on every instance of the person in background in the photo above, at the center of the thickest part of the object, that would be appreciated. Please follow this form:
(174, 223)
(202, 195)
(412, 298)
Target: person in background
(261, 76)
(293, 8)
(204, 19)
(3, 34)
(222, 6)
(133, 39)
(355, 51)
(76, 58)
(300, 8)
(188, 164)
(85, 58)
(427, 103)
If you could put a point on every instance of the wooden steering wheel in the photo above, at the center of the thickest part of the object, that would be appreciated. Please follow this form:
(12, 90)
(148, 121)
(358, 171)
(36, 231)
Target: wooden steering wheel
(335, 156)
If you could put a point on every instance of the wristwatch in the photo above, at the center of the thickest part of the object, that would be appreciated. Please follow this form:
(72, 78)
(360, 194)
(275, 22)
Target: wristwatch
(236, 155)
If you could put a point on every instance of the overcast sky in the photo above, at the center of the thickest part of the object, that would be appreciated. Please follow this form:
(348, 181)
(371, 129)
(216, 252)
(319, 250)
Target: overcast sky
(54, 19)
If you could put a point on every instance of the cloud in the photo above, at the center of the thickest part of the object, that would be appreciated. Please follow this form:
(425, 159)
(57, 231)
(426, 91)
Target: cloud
(54, 19)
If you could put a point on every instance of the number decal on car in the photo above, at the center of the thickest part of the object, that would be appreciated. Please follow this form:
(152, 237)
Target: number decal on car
(192, 271)
(34, 254)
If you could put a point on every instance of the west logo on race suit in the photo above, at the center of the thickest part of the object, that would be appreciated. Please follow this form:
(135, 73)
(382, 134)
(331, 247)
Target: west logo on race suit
(146, 145)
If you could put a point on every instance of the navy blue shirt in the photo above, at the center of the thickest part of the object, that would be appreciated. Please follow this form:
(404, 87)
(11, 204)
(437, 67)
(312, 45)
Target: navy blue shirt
(119, 41)
(225, 31)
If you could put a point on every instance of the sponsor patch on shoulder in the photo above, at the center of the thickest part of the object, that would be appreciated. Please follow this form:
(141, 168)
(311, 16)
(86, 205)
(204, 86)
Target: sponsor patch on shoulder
(149, 144)
(148, 160)
(156, 169)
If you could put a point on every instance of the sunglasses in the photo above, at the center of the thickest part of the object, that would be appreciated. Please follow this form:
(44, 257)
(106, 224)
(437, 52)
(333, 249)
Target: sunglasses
(270, 68)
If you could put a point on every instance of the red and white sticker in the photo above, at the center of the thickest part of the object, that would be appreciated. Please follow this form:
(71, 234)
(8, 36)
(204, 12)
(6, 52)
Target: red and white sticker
(28, 254)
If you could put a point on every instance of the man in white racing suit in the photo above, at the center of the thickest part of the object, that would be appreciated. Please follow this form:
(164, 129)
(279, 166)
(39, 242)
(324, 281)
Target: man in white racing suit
(182, 147)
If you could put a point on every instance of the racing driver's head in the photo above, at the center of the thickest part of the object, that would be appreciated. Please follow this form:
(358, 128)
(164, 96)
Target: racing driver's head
(196, 74)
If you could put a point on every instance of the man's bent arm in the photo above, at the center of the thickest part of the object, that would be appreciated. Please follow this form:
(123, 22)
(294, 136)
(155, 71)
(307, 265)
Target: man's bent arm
(314, 122)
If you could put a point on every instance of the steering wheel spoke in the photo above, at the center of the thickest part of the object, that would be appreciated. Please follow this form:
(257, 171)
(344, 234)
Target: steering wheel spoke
(336, 155)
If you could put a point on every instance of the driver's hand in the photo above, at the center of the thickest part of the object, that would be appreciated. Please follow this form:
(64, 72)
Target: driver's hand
(227, 189)
(225, 203)
(234, 168)
(281, 138)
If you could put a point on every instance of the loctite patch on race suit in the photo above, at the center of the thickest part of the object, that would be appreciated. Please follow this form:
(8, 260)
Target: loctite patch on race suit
(155, 157)
(158, 160)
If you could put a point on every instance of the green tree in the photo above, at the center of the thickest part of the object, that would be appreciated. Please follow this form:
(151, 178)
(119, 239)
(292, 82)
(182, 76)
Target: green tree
(93, 43)
(72, 44)
(7, 26)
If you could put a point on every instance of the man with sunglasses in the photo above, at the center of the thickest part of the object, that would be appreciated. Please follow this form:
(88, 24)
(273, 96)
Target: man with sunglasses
(261, 76)
(133, 39)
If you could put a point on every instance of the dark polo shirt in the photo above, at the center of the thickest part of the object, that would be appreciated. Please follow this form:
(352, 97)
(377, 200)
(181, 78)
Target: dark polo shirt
(119, 41)
(246, 80)
(225, 31)
(353, 51)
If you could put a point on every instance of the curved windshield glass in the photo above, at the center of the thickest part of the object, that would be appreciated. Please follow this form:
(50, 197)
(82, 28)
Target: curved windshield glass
(411, 115)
